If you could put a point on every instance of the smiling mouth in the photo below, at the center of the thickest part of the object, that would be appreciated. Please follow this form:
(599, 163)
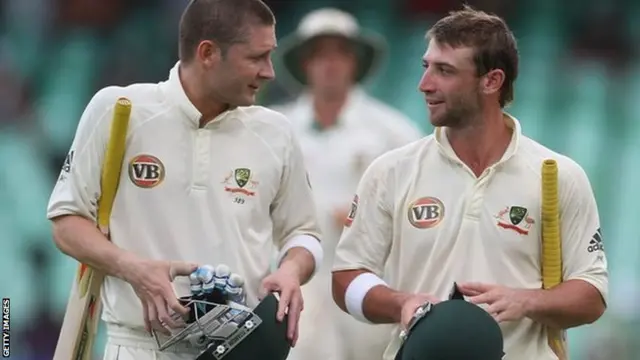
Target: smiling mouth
(434, 102)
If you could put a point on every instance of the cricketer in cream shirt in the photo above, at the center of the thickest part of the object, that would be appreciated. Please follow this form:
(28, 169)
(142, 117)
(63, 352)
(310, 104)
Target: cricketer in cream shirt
(336, 158)
(229, 193)
(421, 212)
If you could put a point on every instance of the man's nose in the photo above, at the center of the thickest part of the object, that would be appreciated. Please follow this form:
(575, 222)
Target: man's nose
(426, 84)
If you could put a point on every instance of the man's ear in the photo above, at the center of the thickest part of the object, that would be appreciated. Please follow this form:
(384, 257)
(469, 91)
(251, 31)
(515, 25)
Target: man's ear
(492, 81)
(208, 53)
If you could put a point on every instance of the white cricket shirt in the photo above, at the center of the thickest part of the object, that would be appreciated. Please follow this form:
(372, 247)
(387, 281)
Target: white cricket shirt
(424, 213)
(229, 193)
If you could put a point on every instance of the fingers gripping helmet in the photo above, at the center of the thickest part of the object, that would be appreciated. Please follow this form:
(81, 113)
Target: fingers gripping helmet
(224, 330)
(452, 330)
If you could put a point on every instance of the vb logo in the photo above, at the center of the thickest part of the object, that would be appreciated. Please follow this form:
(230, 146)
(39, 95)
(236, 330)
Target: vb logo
(426, 212)
(146, 171)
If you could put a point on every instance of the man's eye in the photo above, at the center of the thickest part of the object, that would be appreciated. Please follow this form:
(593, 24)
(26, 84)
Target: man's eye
(261, 57)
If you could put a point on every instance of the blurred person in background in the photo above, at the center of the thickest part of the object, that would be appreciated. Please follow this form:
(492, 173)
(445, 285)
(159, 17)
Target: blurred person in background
(211, 179)
(342, 129)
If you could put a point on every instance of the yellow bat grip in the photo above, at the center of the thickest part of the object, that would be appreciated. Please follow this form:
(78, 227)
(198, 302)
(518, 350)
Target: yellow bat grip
(551, 243)
(113, 162)
(109, 180)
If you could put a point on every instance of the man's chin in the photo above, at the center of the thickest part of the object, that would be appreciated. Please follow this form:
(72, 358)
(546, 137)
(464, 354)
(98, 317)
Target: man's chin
(438, 121)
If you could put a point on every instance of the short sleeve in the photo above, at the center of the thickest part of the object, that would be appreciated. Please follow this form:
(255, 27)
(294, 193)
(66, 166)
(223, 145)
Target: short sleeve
(292, 210)
(582, 237)
(78, 187)
(367, 235)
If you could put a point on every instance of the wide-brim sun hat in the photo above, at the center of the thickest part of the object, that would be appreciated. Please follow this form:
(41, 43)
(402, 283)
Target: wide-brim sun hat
(370, 47)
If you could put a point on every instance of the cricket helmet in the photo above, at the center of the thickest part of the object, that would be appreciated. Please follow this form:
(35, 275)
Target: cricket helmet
(452, 330)
(267, 340)
(220, 329)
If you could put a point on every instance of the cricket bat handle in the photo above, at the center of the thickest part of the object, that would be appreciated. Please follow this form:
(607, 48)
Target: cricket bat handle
(552, 245)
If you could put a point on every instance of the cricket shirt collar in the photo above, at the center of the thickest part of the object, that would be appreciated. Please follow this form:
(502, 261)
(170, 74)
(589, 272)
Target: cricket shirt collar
(178, 97)
(445, 146)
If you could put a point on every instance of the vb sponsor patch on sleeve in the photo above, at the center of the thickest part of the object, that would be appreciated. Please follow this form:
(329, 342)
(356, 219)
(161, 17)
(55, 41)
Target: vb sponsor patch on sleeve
(352, 212)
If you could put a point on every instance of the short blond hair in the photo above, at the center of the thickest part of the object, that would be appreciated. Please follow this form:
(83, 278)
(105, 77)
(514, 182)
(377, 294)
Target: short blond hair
(225, 22)
(493, 43)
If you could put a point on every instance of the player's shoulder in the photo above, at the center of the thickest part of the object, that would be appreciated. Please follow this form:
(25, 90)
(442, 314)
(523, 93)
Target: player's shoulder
(144, 98)
(268, 124)
(402, 158)
(263, 117)
(535, 153)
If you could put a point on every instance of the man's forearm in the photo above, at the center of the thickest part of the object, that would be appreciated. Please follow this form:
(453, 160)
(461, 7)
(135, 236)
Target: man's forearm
(300, 261)
(80, 238)
(570, 304)
(381, 305)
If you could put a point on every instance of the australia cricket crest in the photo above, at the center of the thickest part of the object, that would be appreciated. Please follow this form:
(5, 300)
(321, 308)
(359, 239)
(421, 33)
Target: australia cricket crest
(515, 218)
(240, 183)
(242, 176)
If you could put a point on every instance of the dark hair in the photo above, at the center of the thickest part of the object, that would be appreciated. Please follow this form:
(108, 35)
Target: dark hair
(225, 22)
(493, 42)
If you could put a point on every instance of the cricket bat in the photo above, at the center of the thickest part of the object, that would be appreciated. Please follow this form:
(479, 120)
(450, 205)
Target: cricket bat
(82, 315)
(552, 245)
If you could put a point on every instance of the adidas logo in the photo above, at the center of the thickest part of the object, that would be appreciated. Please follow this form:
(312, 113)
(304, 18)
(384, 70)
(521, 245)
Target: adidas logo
(66, 166)
(596, 242)
(594, 246)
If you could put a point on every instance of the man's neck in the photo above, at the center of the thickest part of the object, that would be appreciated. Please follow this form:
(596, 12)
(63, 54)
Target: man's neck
(327, 109)
(483, 143)
(208, 107)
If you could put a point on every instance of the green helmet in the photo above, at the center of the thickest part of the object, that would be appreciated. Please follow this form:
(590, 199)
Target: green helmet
(265, 339)
(452, 330)
(221, 329)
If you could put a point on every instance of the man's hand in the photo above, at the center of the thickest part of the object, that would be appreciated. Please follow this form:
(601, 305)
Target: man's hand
(411, 304)
(151, 280)
(504, 304)
(286, 282)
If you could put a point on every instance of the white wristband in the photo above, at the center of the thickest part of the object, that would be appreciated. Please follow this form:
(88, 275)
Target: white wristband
(308, 242)
(357, 290)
